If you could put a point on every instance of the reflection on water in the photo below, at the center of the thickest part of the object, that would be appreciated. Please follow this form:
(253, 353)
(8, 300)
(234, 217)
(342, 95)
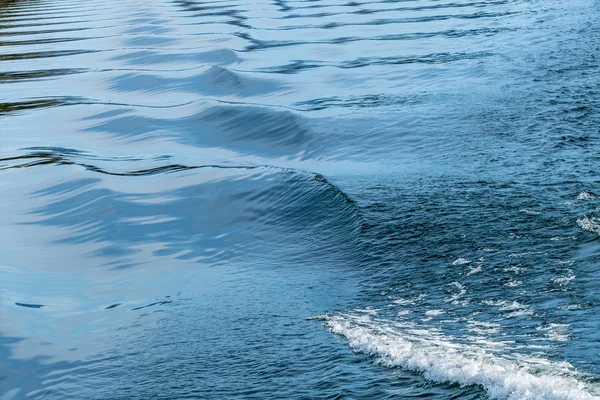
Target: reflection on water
(191, 190)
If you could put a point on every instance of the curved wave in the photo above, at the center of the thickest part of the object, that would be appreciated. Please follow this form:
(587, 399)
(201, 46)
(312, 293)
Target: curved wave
(512, 377)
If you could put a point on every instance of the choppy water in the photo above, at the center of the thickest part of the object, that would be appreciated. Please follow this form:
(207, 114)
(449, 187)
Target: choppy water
(299, 199)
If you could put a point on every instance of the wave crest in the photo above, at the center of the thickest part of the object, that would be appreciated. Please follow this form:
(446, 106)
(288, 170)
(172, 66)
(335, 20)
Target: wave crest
(517, 377)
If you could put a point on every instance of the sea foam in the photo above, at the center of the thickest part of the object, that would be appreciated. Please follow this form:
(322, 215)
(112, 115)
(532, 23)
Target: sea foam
(439, 359)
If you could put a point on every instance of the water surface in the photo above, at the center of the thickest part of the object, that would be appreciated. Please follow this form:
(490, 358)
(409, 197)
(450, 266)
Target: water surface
(299, 199)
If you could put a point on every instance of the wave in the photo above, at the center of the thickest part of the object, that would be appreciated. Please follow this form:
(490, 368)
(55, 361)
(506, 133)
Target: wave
(198, 212)
(245, 129)
(213, 81)
(147, 57)
(439, 359)
(590, 224)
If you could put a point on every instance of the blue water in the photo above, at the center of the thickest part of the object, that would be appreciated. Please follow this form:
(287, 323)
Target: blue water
(315, 199)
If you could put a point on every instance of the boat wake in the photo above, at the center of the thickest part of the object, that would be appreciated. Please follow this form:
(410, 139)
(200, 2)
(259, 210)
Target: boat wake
(440, 359)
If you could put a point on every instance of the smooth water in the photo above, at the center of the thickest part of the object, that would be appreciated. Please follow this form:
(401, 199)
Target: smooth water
(299, 199)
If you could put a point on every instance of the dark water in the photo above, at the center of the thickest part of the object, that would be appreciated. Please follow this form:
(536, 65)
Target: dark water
(300, 199)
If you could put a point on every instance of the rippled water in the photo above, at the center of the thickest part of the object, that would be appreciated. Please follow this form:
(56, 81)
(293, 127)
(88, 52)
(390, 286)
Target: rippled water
(299, 199)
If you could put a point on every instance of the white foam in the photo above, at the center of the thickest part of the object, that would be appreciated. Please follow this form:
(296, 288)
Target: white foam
(404, 302)
(574, 307)
(512, 283)
(563, 280)
(586, 196)
(460, 291)
(517, 269)
(526, 253)
(556, 332)
(589, 224)
(368, 310)
(483, 328)
(529, 212)
(475, 270)
(561, 238)
(441, 360)
(565, 262)
(461, 261)
(511, 308)
(431, 314)
(407, 302)
(489, 249)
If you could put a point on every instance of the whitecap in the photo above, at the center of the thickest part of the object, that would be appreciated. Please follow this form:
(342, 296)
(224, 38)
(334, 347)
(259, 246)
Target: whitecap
(586, 196)
(589, 224)
(461, 261)
(441, 360)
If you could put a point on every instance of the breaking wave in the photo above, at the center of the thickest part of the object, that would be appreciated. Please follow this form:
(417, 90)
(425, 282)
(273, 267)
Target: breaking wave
(439, 359)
